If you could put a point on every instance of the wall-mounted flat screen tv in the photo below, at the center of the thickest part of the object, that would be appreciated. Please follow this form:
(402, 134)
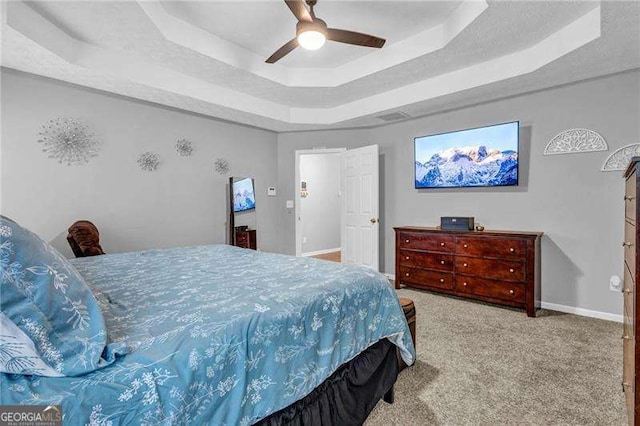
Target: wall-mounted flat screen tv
(484, 156)
(244, 198)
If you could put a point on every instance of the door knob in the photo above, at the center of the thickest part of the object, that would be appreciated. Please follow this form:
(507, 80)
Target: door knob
(373, 220)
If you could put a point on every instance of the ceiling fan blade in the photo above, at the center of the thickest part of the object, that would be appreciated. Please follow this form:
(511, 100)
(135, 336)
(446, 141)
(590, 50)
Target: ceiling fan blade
(351, 37)
(283, 51)
(299, 10)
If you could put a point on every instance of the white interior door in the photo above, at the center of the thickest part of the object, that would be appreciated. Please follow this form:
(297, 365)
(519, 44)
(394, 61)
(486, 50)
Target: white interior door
(360, 209)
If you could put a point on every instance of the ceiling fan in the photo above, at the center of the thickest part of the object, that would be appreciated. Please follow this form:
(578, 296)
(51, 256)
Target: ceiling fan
(312, 32)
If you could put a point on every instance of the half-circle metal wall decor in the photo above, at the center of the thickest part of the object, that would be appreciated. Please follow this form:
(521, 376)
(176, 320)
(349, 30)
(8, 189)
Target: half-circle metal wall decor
(68, 140)
(620, 158)
(574, 141)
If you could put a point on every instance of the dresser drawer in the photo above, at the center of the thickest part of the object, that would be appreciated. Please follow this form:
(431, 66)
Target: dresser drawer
(491, 247)
(630, 198)
(426, 278)
(437, 261)
(628, 369)
(426, 241)
(490, 268)
(514, 292)
(629, 245)
(627, 314)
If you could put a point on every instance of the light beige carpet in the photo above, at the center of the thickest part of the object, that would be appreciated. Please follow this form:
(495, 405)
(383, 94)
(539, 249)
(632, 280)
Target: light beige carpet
(481, 364)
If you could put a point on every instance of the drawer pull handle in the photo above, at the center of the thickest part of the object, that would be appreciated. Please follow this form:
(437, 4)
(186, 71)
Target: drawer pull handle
(464, 284)
(465, 264)
(407, 258)
(441, 244)
(627, 244)
(466, 246)
(511, 270)
(406, 241)
(442, 262)
(441, 280)
(511, 291)
(512, 250)
(406, 275)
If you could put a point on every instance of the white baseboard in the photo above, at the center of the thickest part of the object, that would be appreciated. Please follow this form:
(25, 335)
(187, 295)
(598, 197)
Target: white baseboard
(562, 308)
(315, 253)
(581, 311)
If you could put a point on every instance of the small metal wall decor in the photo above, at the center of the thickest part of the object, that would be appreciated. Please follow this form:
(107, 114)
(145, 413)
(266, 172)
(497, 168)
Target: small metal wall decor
(574, 141)
(69, 141)
(184, 148)
(221, 166)
(149, 161)
(620, 158)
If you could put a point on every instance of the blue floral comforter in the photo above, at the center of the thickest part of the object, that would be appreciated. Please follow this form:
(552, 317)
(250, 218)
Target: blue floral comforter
(217, 335)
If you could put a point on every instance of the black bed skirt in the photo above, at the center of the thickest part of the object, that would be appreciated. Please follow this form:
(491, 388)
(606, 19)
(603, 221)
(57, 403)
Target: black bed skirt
(348, 395)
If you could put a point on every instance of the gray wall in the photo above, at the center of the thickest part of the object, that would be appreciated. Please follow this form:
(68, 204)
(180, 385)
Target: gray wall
(182, 203)
(320, 210)
(566, 196)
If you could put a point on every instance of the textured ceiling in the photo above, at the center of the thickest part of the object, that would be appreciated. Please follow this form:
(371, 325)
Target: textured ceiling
(122, 31)
(263, 27)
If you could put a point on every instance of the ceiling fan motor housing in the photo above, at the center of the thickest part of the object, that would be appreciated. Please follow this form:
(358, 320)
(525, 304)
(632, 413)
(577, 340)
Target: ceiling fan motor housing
(316, 25)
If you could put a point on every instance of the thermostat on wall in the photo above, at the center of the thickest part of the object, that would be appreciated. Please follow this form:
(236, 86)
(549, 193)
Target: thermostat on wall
(271, 191)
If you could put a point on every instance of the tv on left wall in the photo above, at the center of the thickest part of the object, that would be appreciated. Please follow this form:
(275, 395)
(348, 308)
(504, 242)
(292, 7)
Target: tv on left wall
(244, 197)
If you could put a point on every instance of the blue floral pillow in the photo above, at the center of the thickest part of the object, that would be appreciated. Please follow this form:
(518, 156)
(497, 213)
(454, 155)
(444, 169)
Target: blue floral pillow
(50, 322)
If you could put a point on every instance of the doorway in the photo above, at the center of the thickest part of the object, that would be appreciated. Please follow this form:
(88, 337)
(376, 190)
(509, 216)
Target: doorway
(318, 203)
(337, 204)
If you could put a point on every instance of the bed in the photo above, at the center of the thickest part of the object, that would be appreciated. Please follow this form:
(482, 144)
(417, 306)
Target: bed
(210, 335)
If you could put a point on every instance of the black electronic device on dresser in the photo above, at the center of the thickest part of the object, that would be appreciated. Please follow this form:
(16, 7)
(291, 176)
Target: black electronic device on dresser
(457, 223)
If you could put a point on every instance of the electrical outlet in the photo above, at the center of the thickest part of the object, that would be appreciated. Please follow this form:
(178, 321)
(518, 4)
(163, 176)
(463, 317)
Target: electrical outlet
(615, 283)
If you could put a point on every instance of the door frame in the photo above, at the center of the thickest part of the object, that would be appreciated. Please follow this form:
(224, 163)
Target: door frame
(298, 198)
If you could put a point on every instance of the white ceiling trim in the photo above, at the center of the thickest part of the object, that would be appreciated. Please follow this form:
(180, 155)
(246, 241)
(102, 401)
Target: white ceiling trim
(195, 38)
(573, 36)
(26, 21)
(32, 25)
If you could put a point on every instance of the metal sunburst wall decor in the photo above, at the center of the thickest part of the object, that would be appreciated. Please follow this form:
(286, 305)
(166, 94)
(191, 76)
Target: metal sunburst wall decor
(221, 166)
(184, 148)
(69, 141)
(149, 161)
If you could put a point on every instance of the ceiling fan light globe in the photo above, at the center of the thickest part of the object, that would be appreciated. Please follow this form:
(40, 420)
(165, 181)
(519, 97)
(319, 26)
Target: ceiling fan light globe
(311, 40)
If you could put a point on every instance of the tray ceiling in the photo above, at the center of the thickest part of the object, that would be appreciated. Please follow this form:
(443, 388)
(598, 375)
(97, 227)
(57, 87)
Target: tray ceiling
(208, 57)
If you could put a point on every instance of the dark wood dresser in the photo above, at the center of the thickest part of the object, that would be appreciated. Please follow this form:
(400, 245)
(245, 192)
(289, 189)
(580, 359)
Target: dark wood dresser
(501, 267)
(245, 238)
(630, 360)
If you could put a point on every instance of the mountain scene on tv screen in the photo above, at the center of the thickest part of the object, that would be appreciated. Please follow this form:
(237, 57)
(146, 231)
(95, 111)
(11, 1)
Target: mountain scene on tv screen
(468, 166)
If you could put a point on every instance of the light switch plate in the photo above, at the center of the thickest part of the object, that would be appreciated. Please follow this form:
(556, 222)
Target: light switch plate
(289, 204)
(271, 191)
